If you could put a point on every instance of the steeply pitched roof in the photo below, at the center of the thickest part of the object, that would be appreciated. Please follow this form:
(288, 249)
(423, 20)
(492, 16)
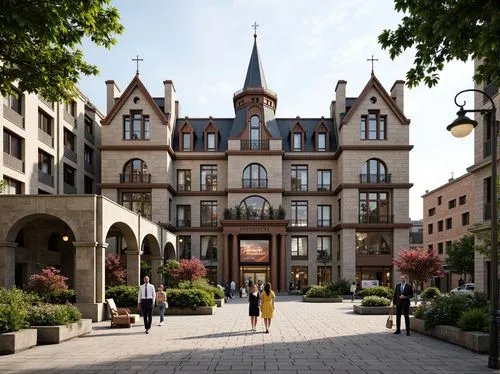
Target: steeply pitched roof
(255, 74)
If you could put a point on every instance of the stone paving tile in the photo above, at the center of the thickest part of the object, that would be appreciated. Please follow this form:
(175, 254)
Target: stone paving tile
(314, 338)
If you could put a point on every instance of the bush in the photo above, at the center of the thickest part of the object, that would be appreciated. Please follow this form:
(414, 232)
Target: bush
(124, 296)
(202, 284)
(474, 320)
(478, 301)
(306, 289)
(319, 291)
(189, 270)
(52, 315)
(430, 293)
(445, 310)
(167, 271)
(114, 271)
(375, 301)
(13, 305)
(62, 297)
(46, 282)
(380, 291)
(189, 298)
(340, 287)
(419, 312)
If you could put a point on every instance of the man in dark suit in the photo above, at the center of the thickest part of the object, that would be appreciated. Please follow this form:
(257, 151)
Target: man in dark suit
(402, 296)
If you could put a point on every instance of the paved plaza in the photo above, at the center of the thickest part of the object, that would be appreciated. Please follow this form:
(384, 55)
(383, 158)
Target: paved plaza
(304, 337)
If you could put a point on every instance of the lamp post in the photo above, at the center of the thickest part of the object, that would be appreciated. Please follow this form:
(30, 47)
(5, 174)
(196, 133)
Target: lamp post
(462, 126)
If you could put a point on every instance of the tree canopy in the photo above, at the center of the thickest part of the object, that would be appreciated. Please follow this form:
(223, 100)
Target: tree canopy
(446, 30)
(460, 258)
(421, 265)
(40, 43)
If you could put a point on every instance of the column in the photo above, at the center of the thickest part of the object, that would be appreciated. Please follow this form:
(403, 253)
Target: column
(100, 272)
(133, 267)
(234, 261)
(274, 262)
(155, 277)
(225, 260)
(7, 264)
(283, 268)
(85, 276)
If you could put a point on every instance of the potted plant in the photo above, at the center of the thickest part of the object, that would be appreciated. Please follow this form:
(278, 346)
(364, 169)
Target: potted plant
(227, 213)
(270, 212)
(238, 211)
(281, 212)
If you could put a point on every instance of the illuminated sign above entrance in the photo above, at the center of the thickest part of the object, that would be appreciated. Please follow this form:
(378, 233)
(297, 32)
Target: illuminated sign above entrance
(254, 251)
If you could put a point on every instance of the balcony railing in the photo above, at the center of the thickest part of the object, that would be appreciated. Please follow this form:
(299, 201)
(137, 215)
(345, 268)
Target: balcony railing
(491, 90)
(324, 187)
(254, 183)
(208, 223)
(209, 186)
(183, 223)
(89, 136)
(45, 138)
(323, 257)
(376, 218)
(45, 178)
(487, 148)
(299, 187)
(255, 145)
(298, 223)
(135, 178)
(13, 116)
(13, 162)
(183, 187)
(487, 211)
(89, 167)
(69, 154)
(69, 189)
(375, 178)
(324, 223)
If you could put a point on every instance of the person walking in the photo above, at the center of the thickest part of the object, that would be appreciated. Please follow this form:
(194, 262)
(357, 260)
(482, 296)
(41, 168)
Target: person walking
(253, 306)
(161, 300)
(402, 296)
(353, 290)
(267, 305)
(145, 301)
(233, 288)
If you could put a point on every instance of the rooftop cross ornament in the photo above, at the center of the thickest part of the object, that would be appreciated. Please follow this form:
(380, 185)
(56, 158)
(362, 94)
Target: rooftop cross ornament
(137, 59)
(254, 26)
(372, 59)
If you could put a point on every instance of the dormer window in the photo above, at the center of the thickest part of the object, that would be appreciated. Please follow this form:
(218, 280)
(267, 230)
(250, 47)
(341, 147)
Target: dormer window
(186, 142)
(298, 134)
(211, 141)
(297, 141)
(186, 137)
(210, 135)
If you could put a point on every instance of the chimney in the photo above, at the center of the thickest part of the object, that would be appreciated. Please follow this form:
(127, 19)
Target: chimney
(112, 92)
(340, 100)
(170, 99)
(397, 93)
(177, 109)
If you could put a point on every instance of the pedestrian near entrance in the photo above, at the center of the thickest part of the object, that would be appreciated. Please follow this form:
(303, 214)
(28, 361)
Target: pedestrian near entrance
(233, 288)
(267, 305)
(145, 302)
(402, 296)
(253, 306)
(353, 290)
(161, 300)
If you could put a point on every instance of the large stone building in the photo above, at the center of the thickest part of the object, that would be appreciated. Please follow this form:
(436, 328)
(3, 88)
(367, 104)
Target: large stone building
(258, 197)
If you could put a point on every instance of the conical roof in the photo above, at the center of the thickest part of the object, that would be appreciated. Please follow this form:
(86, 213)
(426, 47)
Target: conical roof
(255, 74)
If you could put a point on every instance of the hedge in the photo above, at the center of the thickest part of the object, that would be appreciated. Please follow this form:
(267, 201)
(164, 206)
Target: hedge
(375, 301)
(380, 291)
(52, 315)
(319, 291)
(189, 298)
(124, 296)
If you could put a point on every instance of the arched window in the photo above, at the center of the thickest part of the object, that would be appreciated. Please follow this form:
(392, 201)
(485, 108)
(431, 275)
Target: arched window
(135, 171)
(374, 171)
(255, 207)
(254, 176)
(254, 132)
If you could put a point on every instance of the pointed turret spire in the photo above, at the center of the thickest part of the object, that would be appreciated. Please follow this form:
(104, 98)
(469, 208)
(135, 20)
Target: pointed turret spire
(255, 74)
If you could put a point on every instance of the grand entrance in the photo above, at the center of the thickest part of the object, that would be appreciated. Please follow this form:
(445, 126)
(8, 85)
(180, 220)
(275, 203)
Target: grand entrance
(254, 274)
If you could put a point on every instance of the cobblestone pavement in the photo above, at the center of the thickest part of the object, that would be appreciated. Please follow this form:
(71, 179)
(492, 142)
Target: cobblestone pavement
(304, 337)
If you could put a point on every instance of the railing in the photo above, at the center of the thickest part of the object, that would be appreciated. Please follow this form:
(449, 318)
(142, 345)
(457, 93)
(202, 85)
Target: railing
(45, 138)
(45, 178)
(487, 148)
(490, 90)
(13, 162)
(376, 218)
(135, 178)
(298, 223)
(209, 186)
(89, 167)
(323, 257)
(254, 183)
(69, 189)
(255, 145)
(13, 116)
(487, 211)
(375, 178)
(89, 136)
(208, 223)
(302, 187)
(183, 223)
(183, 187)
(69, 154)
(69, 118)
(324, 187)
(324, 223)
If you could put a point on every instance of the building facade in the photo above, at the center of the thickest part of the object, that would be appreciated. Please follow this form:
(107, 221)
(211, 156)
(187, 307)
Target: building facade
(448, 216)
(417, 234)
(257, 197)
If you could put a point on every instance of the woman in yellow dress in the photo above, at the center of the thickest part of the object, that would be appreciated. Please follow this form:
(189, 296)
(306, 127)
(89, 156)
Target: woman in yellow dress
(267, 305)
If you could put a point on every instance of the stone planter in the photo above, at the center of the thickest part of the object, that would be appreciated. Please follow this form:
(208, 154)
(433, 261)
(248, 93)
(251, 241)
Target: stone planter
(57, 334)
(377, 310)
(219, 302)
(198, 310)
(474, 340)
(322, 299)
(12, 342)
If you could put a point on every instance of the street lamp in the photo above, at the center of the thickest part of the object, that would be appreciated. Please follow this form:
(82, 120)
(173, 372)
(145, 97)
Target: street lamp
(462, 126)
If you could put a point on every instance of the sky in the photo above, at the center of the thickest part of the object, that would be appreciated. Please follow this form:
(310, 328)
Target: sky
(305, 47)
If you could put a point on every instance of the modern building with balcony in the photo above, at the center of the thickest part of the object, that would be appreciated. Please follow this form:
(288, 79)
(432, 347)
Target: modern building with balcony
(258, 197)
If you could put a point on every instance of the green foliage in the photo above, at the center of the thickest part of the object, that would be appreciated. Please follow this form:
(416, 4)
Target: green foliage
(145, 270)
(460, 258)
(474, 320)
(340, 287)
(188, 298)
(306, 289)
(227, 213)
(319, 291)
(67, 296)
(41, 44)
(3, 184)
(419, 311)
(445, 310)
(168, 272)
(380, 291)
(202, 284)
(47, 282)
(124, 296)
(446, 30)
(281, 212)
(13, 309)
(430, 293)
(477, 301)
(270, 212)
(52, 315)
(375, 301)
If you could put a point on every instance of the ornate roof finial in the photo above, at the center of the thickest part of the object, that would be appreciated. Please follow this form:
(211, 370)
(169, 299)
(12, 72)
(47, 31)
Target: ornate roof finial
(254, 26)
(372, 59)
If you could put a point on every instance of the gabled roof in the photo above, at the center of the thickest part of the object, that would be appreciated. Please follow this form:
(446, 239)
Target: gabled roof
(375, 83)
(255, 73)
(135, 83)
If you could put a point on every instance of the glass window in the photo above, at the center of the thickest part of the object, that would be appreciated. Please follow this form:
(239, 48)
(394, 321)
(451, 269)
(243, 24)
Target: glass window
(70, 107)
(136, 171)
(14, 101)
(88, 154)
(208, 178)
(374, 243)
(89, 124)
(299, 247)
(69, 140)
(12, 144)
(45, 122)
(465, 219)
(184, 247)
(184, 180)
(373, 126)
(440, 248)
(374, 207)
(299, 277)
(324, 216)
(183, 215)
(211, 141)
(297, 141)
(299, 178)
(452, 204)
(186, 141)
(209, 248)
(136, 126)
(374, 171)
(430, 228)
(69, 175)
(208, 217)
(44, 162)
(462, 199)
(324, 248)
(126, 128)
(432, 211)
(254, 132)
(255, 207)
(11, 187)
(138, 202)
(449, 224)
(440, 226)
(299, 213)
(324, 181)
(321, 141)
(324, 274)
(254, 176)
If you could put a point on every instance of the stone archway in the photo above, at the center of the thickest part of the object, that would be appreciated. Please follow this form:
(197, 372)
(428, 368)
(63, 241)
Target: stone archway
(150, 258)
(169, 252)
(122, 241)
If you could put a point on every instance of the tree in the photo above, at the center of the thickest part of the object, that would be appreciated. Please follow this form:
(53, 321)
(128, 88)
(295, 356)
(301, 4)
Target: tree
(3, 184)
(420, 265)
(40, 43)
(115, 273)
(461, 256)
(190, 270)
(47, 281)
(446, 30)
(167, 271)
